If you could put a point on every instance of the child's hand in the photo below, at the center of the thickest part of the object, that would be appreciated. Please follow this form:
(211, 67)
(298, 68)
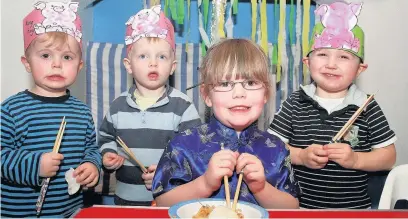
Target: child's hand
(148, 177)
(314, 156)
(112, 161)
(253, 170)
(342, 154)
(86, 174)
(49, 164)
(221, 164)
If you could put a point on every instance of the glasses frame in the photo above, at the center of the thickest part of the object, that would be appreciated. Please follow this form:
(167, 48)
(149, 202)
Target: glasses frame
(233, 83)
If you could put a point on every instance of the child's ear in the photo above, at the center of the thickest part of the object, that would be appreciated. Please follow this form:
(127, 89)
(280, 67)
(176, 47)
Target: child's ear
(205, 96)
(305, 61)
(26, 64)
(361, 68)
(128, 67)
(173, 67)
(81, 65)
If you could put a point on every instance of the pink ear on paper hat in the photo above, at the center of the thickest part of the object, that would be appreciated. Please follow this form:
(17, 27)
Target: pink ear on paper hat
(52, 17)
(149, 23)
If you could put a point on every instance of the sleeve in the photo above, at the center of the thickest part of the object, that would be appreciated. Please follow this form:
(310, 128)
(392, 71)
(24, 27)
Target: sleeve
(283, 178)
(174, 168)
(281, 125)
(92, 153)
(379, 131)
(107, 135)
(189, 119)
(18, 166)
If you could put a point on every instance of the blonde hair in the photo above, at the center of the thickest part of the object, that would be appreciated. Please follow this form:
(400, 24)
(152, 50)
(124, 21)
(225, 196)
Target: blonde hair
(235, 58)
(53, 39)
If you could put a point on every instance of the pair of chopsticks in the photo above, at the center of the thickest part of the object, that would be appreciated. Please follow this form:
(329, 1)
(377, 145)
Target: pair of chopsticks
(227, 189)
(46, 182)
(130, 153)
(353, 118)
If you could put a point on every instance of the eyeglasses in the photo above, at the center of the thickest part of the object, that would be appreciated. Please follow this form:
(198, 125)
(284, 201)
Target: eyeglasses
(225, 86)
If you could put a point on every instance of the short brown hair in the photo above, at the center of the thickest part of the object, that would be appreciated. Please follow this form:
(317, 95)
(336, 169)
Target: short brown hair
(245, 56)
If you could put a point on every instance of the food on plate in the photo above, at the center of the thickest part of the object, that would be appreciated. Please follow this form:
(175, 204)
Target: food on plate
(207, 211)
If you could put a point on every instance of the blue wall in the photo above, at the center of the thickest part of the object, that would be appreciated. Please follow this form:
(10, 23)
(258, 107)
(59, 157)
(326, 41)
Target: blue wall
(110, 17)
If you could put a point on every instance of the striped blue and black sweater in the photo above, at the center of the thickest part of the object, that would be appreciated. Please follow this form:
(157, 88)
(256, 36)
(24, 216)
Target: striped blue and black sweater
(29, 126)
(146, 133)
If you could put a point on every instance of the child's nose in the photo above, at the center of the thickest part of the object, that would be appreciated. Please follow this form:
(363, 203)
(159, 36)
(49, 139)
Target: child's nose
(331, 63)
(56, 62)
(238, 91)
(153, 63)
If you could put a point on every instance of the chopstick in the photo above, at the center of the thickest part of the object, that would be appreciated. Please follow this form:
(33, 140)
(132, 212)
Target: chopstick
(130, 153)
(234, 204)
(58, 140)
(46, 182)
(226, 185)
(343, 130)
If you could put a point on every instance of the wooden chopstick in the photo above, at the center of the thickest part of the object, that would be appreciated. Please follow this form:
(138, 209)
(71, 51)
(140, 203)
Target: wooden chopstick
(58, 140)
(56, 149)
(226, 185)
(234, 204)
(130, 153)
(343, 130)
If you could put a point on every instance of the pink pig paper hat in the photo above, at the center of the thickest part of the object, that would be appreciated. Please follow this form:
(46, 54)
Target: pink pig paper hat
(52, 17)
(149, 23)
(338, 28)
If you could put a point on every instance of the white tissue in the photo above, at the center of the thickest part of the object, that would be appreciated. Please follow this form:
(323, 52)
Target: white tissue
(73, 186)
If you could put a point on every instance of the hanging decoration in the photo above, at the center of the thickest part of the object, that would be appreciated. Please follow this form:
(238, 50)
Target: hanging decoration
(297, 48)
(217, 20)
(188, 24)
(291, 44)
(282, 57)
(153, 2)
(264, 27)
(292, 40)
(305, 34)
(202, 23)
(254, 17)
(229, 24)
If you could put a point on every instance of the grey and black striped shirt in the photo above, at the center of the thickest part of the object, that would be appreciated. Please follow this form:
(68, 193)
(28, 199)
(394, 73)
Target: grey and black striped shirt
(146, 133)
(302, 121)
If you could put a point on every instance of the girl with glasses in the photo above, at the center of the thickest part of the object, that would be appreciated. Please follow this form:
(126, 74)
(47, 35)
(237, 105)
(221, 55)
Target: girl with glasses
(236, 85)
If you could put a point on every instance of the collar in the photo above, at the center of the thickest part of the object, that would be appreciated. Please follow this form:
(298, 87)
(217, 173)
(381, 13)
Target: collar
(354, 96)
(164, 99)
(45, 99)
(229, 135)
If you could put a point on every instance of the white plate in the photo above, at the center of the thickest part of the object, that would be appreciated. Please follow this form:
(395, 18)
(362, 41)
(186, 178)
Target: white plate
(189, 208)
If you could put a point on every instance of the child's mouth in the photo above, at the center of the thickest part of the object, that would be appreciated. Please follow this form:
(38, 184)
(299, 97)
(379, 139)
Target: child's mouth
(239, 109)
(153, 76)
(55, 78)
(330, 75)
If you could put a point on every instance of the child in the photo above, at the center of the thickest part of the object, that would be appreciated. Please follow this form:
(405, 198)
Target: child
(334, 175)
(236, 85)
(31, 119)
(150, 113)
